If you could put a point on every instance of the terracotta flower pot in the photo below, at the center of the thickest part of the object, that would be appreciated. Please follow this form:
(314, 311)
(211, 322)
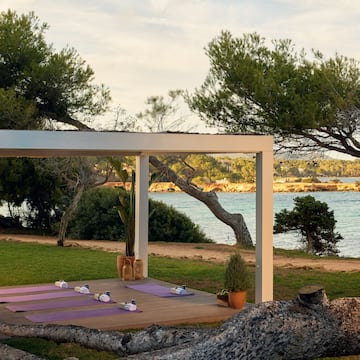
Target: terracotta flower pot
(138, 269)
(222, 300)
(120, 262)
(237, 299)
(127, 270)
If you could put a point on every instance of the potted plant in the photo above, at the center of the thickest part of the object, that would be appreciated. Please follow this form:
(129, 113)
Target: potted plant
(222, 297)
(126, 211)
(237, 281)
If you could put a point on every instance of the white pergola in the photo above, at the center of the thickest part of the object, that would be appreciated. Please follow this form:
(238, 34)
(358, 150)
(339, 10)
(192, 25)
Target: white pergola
(24, 143)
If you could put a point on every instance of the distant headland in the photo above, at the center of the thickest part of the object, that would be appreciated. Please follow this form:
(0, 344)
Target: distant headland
(251, 187)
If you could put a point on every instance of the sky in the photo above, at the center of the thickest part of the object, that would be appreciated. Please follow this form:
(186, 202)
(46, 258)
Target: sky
(142, 48)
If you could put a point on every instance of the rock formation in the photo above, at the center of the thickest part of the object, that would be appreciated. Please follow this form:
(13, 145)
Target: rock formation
(305, 328)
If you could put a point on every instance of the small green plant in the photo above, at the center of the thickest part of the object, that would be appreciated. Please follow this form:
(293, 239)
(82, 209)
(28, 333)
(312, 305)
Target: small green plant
(223, 292)
(237, 274)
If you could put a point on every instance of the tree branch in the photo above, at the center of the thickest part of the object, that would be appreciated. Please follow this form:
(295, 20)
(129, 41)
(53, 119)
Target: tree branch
(210, 199)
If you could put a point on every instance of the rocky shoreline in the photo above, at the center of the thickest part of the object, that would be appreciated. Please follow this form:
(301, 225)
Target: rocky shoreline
(251, 187)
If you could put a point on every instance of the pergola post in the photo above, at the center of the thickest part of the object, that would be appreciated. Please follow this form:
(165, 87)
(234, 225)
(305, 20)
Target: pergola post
(264, 227)
(142, 210)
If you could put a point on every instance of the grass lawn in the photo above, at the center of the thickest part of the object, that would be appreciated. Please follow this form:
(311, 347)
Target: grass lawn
(30, 263)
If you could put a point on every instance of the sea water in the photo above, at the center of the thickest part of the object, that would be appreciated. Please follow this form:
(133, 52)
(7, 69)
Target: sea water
(346, 207)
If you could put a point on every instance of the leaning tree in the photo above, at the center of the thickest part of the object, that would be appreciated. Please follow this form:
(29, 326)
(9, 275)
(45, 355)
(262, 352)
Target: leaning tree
(159, 117)
(314, 221)
(307, 103)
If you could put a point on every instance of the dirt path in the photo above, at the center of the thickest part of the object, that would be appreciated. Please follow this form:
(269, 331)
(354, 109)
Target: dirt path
(211, 252)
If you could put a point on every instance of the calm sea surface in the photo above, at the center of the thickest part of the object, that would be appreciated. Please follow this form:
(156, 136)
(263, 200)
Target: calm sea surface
(346, 207)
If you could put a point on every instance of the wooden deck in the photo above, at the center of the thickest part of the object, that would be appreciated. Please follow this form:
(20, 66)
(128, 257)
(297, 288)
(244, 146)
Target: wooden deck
(200, 308)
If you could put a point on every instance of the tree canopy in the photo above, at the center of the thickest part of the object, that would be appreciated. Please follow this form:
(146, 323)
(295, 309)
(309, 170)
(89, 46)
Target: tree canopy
(40, 87)
(32, 183)
(255, 88)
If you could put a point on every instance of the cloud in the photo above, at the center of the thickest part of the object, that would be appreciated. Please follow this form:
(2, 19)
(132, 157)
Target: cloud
(328, 25)
(144, 48)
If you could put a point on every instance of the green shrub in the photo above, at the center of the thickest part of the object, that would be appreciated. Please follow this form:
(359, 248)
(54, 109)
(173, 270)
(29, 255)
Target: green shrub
(96, 218)
(237, 274)
(168, 224)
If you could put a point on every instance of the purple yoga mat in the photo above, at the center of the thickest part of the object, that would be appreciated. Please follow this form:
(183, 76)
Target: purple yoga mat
(28, 289)
(42, 296)
(157, 290)
(55, 305)
(77, 314)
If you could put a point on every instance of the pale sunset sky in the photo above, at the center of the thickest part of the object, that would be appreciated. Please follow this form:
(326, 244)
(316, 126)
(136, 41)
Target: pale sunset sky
(140, 48)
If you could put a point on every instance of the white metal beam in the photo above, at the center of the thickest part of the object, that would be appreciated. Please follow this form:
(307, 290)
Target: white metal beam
(83, 143)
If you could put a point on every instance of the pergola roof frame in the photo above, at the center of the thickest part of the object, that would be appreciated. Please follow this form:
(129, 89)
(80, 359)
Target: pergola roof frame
(32, 143)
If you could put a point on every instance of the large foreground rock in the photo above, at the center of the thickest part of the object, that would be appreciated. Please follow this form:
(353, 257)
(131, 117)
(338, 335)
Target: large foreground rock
(305, 328)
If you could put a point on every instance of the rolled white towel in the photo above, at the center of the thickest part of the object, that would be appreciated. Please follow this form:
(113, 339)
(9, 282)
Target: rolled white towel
(62, 284)
(82, 289)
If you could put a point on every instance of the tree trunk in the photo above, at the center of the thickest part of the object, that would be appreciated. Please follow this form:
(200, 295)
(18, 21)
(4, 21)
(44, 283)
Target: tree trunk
(66, 216)
(273, 330)
(210, 199)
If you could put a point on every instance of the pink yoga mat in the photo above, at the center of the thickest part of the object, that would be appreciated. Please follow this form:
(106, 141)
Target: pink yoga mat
(76, 314)
(55, 305)
(158, 290)
(42, 296)
(28, 289)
